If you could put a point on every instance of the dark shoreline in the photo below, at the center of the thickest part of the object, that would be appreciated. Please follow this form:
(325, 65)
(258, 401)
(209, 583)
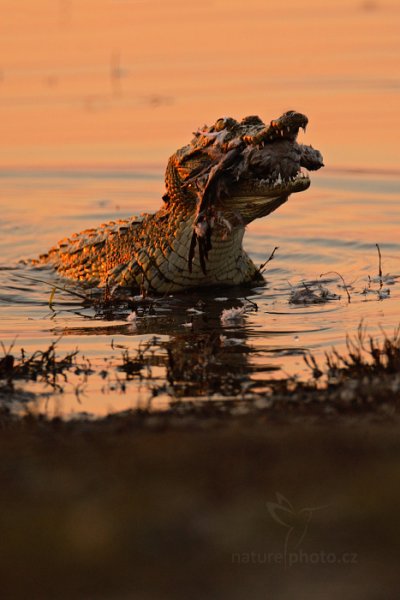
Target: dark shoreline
(178, 509)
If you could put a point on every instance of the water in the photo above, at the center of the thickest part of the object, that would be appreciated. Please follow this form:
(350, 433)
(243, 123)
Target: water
(86, 131)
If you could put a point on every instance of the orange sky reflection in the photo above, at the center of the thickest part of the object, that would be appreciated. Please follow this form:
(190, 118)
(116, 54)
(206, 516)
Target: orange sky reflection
(126, 82)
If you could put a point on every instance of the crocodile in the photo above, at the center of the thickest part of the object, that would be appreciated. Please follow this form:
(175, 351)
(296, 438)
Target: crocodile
(231, 173)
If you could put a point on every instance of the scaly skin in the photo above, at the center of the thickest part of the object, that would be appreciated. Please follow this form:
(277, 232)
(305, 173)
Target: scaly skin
(230, 174)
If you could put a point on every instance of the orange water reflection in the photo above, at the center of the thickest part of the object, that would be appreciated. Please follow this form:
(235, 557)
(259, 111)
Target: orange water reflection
(94, 97)
(120, 81)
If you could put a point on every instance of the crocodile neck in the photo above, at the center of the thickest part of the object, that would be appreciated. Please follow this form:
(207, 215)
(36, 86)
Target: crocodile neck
(163, 265)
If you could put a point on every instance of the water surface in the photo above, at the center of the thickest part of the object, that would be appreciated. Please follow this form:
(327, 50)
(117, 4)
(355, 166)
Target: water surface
(92, 103)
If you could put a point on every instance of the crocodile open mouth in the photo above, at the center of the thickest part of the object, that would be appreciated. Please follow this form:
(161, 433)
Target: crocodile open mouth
(258, 197)
(269, 186)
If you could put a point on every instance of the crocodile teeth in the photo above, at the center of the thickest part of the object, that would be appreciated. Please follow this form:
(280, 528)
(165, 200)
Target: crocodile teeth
(302, 174)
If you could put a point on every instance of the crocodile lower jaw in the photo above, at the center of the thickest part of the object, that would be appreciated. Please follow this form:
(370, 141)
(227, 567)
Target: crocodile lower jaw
(272, 187)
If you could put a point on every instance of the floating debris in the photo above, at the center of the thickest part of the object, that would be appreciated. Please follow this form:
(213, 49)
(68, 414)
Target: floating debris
(195, 311)
(227, 341)
(232, 315)
(311, 293)
(382, 294)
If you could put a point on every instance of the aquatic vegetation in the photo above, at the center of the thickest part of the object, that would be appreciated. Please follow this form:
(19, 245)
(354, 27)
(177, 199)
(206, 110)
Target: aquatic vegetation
(213, 370)
(368, 374)
(42, 365)
(365, 356)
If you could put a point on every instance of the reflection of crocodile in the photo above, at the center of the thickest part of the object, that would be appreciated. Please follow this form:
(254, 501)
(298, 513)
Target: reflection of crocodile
(230, 174)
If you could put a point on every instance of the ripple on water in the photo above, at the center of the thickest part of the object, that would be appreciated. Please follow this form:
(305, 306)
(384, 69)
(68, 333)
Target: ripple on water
(271, 336)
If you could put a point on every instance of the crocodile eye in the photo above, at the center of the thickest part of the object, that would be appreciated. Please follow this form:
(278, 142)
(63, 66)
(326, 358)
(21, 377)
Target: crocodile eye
(220, 124)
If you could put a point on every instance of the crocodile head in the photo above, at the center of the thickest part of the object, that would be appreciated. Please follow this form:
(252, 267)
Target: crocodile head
(234, 172)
